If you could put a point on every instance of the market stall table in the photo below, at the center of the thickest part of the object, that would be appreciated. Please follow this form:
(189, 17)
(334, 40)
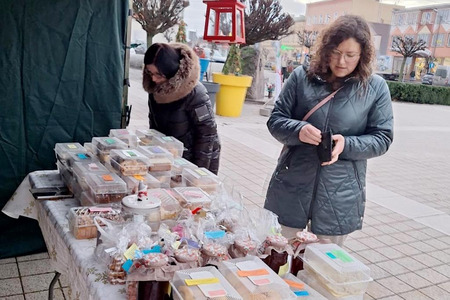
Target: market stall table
(68, 256)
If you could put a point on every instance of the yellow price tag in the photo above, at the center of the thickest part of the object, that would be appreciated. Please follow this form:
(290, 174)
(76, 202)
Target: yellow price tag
(211, 280)
(283, 269)
(129, 254)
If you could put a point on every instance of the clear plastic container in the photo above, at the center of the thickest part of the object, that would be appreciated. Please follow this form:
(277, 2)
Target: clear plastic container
(192, 197)
(163, 178)
(213, 285)
(301, 289)
(106, 188)
(253, 279)
(170, 208)
(202, 178)
(146, 136)
(81, 220)
(338, 271)
(129, 162)
(126, 136)
(160, 159)
(90, 148)
(133, 182)
(66, 174)
(179, 164)
(63, 150)
(80, 157)
(149, 208)
(80, 170)
(170, 143)
(103, 145)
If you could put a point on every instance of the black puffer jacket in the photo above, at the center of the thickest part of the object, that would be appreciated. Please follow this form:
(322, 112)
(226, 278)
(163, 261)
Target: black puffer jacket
(332, 197)
(180, 107)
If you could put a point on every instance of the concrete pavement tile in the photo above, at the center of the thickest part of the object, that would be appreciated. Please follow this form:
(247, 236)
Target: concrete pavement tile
(445, 286)
(372, 242)
(388, 240)
(444, 239)
(10, 287)
(372, 231)
(442, 256)
(387, 219)
(406, 249)
(438, 222)
(436, 293)
(377, 272)
(9, 271)
(432, 275)
(410, 263)
(393, 267)
(415, 225)
(63, 281)
(414, 295)
(438, 244)
(16, 297)
(57, 295)
(401, 226)
(354, 245)
(33, 257)
(398, 217)
(419, 235)
(390, 252)
(7, 260)
(360, 258)
(378, 291)
(427, 259)
(444, 269)
(35, 267)
(36, 283)
(403, 237)
(395, 297)
(369, 221)
(394, 284)
(372, 255)
(367, 297)
(434, 233)
(414, 280)
(358, 234)
(424, 247)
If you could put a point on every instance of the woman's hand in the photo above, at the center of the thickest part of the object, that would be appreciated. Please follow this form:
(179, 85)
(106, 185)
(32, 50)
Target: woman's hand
(310, 135)
(339, 144)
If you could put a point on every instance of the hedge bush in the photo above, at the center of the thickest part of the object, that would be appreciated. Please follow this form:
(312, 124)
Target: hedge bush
(419, 93)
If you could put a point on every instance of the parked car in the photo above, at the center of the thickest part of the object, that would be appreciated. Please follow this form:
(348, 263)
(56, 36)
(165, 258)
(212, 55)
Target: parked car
(442, 76)
(428, 79)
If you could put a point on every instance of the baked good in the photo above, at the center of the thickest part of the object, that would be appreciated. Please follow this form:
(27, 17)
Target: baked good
(186, 292)
(187, 254)
(245, 245)
(155, 260)
(116, 274)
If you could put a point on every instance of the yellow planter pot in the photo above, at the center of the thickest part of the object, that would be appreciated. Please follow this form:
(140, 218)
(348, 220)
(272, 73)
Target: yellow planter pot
(231, 95)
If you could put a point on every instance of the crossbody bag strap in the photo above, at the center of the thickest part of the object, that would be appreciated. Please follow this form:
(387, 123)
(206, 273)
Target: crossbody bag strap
(320, 104)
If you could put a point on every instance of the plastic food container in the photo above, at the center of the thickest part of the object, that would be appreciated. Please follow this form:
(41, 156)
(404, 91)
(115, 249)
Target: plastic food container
(170, 143)
(150, 209)
(202, 178)
(63, 150)
(301, 289)
(80, 170)
(103, 145)
(146, 136)
(129, 162)
(133, 182)
(106, 188)
(80, 157)
(81, 220)
(66, 174)
(179, 164)
(339, 272)
(170, 208)
(204, 283)
(253, 278)
(160, 159)
(162, 177)
(192, 197)
(125, 136)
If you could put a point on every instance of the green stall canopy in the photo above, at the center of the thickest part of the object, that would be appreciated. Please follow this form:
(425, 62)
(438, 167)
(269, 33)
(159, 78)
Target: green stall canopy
(61, 80)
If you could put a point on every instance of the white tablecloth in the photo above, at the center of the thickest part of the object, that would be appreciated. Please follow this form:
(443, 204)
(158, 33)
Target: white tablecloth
(69, 256)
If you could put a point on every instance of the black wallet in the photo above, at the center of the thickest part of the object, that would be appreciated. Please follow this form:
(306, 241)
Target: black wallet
(325, 147)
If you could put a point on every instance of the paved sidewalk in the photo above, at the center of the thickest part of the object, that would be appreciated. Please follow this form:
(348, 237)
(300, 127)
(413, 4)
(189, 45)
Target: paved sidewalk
(406, 235)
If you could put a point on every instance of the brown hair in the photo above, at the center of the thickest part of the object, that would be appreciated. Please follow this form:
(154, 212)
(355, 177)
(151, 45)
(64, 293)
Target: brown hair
(345, 27)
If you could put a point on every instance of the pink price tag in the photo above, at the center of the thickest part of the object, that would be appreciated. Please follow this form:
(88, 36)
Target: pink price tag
(100, 209)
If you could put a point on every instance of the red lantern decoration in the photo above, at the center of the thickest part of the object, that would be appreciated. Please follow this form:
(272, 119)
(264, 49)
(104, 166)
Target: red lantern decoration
(224, 21)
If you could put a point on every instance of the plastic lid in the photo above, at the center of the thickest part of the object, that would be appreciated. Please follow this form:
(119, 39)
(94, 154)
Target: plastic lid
(131, 201)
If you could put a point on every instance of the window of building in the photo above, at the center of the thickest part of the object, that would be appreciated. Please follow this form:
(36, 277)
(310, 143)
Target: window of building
(320, 19)
(426, 18)
(438, 40)
(425, 38)
(412, 18)
(448, 40)
(443, 16)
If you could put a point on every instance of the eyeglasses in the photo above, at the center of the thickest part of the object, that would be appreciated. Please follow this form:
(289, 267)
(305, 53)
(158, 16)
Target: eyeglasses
(157, 76)
(348, 57)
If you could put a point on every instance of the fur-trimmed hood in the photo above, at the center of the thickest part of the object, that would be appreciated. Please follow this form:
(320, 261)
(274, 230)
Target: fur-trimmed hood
(182, 83)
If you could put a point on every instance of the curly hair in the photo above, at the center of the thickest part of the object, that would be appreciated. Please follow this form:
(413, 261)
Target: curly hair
(345, 27)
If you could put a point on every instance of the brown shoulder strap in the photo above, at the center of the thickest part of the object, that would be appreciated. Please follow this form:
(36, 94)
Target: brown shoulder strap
(320, 104)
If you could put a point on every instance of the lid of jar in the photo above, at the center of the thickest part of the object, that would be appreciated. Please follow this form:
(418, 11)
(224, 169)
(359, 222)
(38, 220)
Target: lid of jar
(132, 201)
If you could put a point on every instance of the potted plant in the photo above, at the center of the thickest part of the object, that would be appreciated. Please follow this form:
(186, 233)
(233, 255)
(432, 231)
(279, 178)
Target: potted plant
(211, 87)
(233, 85)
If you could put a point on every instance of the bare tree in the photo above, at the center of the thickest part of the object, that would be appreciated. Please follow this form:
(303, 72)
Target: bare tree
(307, 38)
(407, 47)
(168, 34)
(156, 16)
(265, 21)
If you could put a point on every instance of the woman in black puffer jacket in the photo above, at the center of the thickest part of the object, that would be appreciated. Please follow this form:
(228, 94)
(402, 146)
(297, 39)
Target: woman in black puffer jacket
(179, 104)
